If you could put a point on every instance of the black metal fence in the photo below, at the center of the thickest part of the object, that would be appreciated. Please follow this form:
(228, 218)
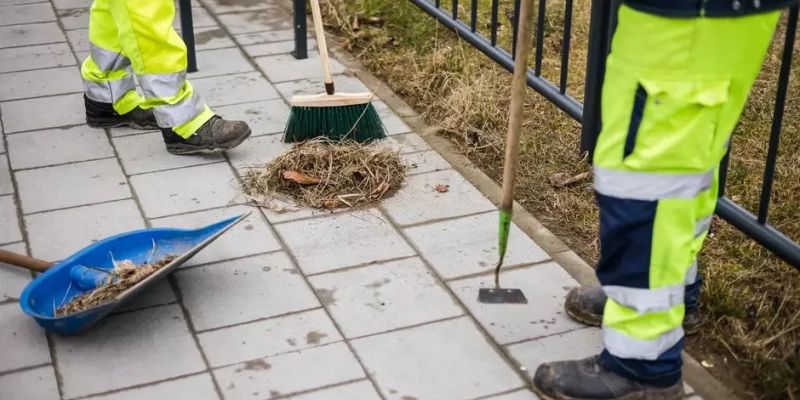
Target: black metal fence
(601, 28)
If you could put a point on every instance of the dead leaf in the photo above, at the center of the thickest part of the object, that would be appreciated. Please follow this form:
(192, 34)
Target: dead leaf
(562, 179)
(442, 188)
(300, 178)
(706, 364)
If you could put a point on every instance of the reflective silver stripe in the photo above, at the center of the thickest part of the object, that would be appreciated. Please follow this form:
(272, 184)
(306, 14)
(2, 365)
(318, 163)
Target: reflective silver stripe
(170, 115)
(623, 346)
(109, 91)
(162, 86)
(649, 186)
(108, 60)
(646, 300)
(691, 274)
(702, 226)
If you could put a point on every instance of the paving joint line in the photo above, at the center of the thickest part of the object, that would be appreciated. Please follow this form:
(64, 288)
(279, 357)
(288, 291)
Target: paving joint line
(62, 164)
(434, 221)
(277, 316)
(37, 69)
(549, 335)
(138, 386)
(226, 260)
(490, 272)
(44, 96)
(168, 169)
(24, 369)
(47, 128)
(74, 207)
(361, 265)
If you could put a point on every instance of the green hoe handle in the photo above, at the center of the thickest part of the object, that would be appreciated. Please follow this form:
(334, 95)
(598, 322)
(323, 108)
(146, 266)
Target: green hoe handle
(518, 87)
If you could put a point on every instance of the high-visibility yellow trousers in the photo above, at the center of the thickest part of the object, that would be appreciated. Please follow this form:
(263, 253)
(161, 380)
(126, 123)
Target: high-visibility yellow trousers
(136, 37)
(673, 92)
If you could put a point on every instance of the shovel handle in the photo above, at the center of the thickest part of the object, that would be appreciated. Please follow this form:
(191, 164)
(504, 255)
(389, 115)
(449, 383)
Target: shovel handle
(22, 261)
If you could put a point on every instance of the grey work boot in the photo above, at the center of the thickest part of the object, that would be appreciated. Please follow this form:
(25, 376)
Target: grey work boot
(215, 135)
(586, 304)
(588, 379)
(103, 115)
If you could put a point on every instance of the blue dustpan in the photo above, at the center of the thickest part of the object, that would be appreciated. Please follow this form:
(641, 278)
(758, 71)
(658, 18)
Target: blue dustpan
(68, 278)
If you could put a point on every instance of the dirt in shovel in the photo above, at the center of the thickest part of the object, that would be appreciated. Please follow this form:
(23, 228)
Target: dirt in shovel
(124, 276)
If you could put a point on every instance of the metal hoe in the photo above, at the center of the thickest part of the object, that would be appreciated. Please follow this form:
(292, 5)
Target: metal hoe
(518, 87)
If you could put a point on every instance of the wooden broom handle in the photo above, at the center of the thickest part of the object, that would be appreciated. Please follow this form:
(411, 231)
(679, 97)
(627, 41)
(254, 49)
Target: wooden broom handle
(22, 261)
(518, 87)
(316, 14)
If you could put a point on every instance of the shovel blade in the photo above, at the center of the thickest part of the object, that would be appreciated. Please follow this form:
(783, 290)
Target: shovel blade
(502, 296)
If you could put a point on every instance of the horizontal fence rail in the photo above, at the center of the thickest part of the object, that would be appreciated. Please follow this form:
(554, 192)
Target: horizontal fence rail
(601, 28)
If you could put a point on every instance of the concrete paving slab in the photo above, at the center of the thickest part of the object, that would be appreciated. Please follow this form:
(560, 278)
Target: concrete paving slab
(250, 237)
(408, 143)
(26, 13)
(356, 238)
(243, 290)
(443, 360)
(155, 343)
(383, 297)
(393, 123)
(268, 19)
(270, 49)
(24, 343)
(185, 190)
(71, 185)
(573, 345)
(41, 82)
(56, 235)
(147, 153)
(468, 245)
(79, 39)
(518, 395)
(74, 18)
(344, 83)
(23, 115)
(33, 57)
(33, 384)
(78, 143)
(273, 377)
(226, 6)
(264, 117)
(195, 387)
(544, 285)
(284, 67)
(6, 187)
(425, 161)
(279, 35)
(12, 279)
(419, 201)
(361, 390)
(212, 37)
(268, 337)
(235, 89)
(221, 62)
(257, 151)
(9, 232)
(30, 34)
(68, 4)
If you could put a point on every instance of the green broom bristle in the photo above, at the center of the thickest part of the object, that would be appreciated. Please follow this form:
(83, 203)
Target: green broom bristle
(359, 122)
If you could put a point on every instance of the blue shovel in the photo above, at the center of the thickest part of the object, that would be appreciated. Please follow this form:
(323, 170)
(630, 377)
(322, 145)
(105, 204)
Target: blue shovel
(86, 269)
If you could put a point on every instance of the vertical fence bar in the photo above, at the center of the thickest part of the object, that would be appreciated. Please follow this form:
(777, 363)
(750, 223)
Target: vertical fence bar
(565, 43)
(595, 72)
(455, 9)
(300, 30)
(495, 10)
(537, 70)
(723, 172)
(777, 118)
(473, 17)
(437, 3)
(187, 32)
(515, 26)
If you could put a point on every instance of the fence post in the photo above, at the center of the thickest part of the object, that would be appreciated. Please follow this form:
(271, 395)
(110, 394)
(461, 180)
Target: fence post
(187, 32)
(300, 31)
(599, 31)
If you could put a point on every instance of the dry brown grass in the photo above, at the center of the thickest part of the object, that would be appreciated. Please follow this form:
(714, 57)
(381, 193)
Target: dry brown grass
(750, 299)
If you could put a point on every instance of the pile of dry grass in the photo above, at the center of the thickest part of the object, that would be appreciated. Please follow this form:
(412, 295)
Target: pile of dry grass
(124, 276)
(328, 175)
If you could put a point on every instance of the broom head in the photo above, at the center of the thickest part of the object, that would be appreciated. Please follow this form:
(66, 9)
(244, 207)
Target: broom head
(340, 116)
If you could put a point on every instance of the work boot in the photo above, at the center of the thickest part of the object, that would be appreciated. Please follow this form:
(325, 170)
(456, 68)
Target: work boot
(103, 115)
(215, 135)
(589, 379)
(586, 304)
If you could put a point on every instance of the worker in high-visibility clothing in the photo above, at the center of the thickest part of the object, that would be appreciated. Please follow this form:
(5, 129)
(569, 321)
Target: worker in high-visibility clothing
(677, 78)
(136, 37)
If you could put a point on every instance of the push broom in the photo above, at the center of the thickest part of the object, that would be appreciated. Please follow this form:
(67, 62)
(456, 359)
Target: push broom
(331, 115)
(518, 86)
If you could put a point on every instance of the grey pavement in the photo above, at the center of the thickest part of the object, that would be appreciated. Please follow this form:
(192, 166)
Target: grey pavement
(369, 304)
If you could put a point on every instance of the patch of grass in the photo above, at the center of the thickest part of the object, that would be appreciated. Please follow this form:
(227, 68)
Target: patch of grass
(750, 299)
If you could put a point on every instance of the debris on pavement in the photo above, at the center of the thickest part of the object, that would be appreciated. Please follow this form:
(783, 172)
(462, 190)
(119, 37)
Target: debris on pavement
(125, 275)
(328, 175)
(442, 188)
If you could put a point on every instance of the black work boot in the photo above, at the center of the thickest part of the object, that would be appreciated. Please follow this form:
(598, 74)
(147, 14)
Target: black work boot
(103, 115)
(215, 135)
(589, 379)
(586, 304)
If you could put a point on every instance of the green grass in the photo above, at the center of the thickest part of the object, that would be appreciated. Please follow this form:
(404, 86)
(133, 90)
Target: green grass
(750, 299)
